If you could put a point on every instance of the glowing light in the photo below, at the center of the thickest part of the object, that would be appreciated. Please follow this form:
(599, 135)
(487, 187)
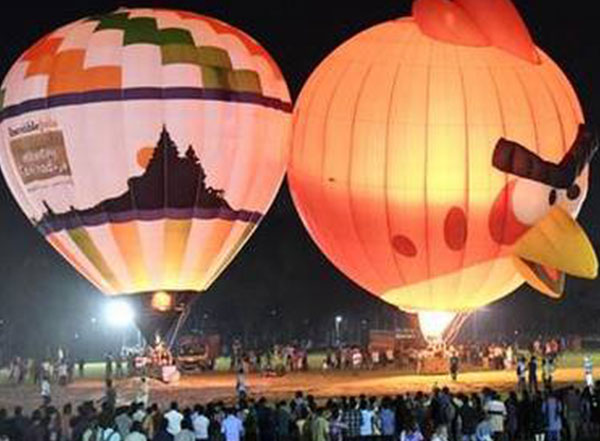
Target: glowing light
(434, 323)
(162, 301)
(119, 313)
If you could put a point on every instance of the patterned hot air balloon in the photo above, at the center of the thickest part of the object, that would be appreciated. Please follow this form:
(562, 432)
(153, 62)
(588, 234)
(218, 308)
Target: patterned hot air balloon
(145, 145)
(400, 175)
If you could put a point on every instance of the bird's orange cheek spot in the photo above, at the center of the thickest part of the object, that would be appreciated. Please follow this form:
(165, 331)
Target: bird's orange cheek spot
(455, 229)
(505, 228)
(404, 246)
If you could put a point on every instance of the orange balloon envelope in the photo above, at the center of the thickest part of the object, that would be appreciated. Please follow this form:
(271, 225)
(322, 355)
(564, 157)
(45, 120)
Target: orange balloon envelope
(145, 145)
(440, 160)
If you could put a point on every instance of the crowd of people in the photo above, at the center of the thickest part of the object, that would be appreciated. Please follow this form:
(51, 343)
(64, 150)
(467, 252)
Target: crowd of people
(280, 359)
(489, 356)
(60, 370)
(569, 414)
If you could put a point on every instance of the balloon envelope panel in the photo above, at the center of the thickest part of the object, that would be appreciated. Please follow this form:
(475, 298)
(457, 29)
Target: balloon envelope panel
(391, 165)
(146, 145)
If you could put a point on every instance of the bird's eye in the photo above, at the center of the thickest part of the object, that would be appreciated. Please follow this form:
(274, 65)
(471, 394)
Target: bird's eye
(552, 197)
(573, 192)
(532, 200)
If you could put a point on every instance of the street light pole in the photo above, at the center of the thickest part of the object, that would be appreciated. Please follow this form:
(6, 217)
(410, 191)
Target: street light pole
(338, 321)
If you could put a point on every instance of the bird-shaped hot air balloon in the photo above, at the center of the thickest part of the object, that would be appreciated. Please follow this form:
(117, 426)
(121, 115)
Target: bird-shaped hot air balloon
(146, 145)
(440, 160)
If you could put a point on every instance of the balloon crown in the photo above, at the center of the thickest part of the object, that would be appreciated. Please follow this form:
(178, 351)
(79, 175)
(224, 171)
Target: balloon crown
(479, 23)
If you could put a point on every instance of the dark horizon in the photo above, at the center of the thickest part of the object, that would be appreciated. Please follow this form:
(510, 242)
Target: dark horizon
(280, 269)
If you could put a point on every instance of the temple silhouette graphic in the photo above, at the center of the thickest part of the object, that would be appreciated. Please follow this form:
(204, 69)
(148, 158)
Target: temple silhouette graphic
(171, 187)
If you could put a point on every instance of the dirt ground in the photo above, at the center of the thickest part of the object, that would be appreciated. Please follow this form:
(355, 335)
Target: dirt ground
(202, 388)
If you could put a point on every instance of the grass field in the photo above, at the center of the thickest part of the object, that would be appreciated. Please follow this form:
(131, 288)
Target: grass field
(95, 370)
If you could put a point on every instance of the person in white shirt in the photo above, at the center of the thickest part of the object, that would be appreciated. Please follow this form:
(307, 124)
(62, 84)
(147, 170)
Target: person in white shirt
(123, 420)
(63, 371)
(136, 433)
(174, 418)
(107, 432)
(186, 433)
(45, 391)
(143, 392)
(241, 389)
(232, 427)
(496, 410)
(200, 422)
(440, 434)
(139, 412)
(367, 417)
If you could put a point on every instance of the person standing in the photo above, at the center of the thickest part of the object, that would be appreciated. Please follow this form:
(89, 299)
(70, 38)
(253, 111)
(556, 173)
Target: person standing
(119, 366)
(532, 369)
(123, 420)
(469, 419)
(265, 420)
(162, 434)
(411, 431)
(573, 412)
(440, 434)
(143, 392)
(108, 366)
(200, 423)
(151, 423)
(110, 395)
(388, 420)
(367, 417)
(174, 418)
(454, 364)
(512, 416)
(232, 427)
(320, 429)
(588, 371)
(283, 422)
(63, 373)
(81, 367)
(35, 431)
(547, 372)
(336, 425)
(538, 419)
(496, 409)
(136, 433)
(521, 374)
(552, 409)
(352, 419)
(70, 369)
(186, 433)
(241, 389)
(66, 431)
(45, 392)
(484, 431)
(138, 412)
(509, 358)
(107, 430)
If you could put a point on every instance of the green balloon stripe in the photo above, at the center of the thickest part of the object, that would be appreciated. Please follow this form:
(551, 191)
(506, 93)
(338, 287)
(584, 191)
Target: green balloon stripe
(85, 243)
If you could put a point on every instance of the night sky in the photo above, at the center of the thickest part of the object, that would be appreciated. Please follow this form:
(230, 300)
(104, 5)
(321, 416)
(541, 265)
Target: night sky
(280, 273)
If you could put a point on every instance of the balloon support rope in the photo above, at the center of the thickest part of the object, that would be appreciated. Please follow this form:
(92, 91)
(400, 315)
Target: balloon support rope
(176, 328)
(454, 328)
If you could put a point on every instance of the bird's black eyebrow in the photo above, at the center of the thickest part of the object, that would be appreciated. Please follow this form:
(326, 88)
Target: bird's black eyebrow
(511, 157)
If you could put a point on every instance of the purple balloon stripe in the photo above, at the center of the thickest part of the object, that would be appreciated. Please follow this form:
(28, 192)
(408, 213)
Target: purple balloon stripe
(143, 93)
(69, 221)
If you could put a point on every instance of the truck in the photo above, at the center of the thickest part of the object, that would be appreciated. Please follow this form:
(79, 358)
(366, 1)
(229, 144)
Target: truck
(197, 353)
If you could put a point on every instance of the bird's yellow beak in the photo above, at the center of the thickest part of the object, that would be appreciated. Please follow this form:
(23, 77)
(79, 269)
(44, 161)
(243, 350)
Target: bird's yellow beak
(554, 246)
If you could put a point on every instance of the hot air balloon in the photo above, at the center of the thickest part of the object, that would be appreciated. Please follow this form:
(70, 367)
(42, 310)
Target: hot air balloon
(440, 160)
(146, 145)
